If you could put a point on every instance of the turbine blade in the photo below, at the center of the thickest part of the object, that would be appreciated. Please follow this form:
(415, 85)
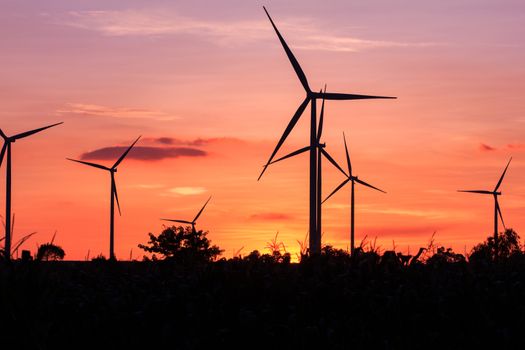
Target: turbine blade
(477, 191)
(28, 133)
(321, 121)
(502, 175)
(200, 212)
(348, 163)
(339, 96)
(125, 153)
(4, 136)
(179, 221)
(291, 57)
(90, 164)
(336, 189)
(368, 185)
(500, 215)
(334, 163)
(114, 189)
(287, 131)
(299, 151)
(2, 153)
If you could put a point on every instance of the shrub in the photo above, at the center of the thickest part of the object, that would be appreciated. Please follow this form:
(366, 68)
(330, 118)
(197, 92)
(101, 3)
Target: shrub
(50, 252)
(182, 244)
(508, 245)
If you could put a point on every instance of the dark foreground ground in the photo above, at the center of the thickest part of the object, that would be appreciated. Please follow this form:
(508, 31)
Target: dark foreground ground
(326, 304)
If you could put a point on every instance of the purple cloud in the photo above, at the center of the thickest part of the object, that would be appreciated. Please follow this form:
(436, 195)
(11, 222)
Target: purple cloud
(146, 153)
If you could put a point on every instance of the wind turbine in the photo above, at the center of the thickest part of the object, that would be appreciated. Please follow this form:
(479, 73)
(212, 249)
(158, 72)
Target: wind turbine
(320, 149)
(194, 221)
(497, 210)
(8, 141)
(352, 179)
(114, 195)
(311, 97)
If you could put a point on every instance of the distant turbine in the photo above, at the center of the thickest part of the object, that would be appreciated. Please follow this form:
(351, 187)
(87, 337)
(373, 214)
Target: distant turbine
(114, 195)
(353, 179)
(7, 148)
(194, 222)
(497, 210)
(311, 97)
(320, 147)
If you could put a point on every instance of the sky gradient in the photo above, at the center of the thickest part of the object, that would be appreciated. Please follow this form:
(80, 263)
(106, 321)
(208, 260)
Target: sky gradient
(211, 91)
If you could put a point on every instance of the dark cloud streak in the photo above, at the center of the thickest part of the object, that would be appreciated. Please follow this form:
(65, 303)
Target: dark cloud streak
(145, 153)
(486, 148)
(271, 217)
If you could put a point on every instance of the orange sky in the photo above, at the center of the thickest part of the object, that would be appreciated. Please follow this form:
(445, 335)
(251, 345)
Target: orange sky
(215, 79)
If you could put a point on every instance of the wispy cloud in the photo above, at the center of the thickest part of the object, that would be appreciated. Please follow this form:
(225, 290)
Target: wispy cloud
(429, 214)
(93, 110)
(517, 146)
(172, 141)
(144, 153)
(149, 186)
(336, 206)
(483, 147)
(304, 33)
(187, 191)
(271, 217)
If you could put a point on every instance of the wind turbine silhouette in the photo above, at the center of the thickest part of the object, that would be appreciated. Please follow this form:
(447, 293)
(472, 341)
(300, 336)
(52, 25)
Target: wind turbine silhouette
(321, 151)
(311, 97)
(353, 179)
(194, 221)
(114, 195)
(6, 148)
(497, 210)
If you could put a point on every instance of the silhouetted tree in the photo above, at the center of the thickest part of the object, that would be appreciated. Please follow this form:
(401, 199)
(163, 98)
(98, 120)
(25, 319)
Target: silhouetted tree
(182, 244)
(508, 245)
(50, 252)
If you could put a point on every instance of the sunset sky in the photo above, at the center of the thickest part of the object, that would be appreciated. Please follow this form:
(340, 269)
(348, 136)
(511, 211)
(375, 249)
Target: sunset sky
(210, 90)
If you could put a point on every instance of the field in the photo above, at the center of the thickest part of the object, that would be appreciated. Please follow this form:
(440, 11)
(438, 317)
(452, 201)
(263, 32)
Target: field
(328, 302)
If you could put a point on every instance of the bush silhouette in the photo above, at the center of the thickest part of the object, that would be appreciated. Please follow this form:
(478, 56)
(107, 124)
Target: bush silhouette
(182, 244)
(50, 252)
(445, 256)
(508, 245)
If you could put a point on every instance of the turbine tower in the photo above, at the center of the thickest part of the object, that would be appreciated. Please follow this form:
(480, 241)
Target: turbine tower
(353, 179)
(497, 211)
(321, 151)
(6, 148)
(311, 97)
(194, 221)
(114, 195)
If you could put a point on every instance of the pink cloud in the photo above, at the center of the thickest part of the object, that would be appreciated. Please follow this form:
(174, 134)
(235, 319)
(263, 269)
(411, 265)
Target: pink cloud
(516, 146)
(483, 147)
(271, 217)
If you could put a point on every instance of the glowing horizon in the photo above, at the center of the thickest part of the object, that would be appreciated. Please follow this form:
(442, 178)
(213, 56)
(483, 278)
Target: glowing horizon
(211, 91)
